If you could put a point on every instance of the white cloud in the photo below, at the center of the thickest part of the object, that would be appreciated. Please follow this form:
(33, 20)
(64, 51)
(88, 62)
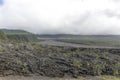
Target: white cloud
(62, 16)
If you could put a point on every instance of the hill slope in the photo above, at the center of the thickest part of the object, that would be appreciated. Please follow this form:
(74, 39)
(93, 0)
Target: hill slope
(19, 35)
(2, 36)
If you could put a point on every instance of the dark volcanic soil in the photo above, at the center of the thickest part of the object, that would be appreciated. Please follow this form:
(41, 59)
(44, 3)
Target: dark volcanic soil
(57, 61)
(45, 78)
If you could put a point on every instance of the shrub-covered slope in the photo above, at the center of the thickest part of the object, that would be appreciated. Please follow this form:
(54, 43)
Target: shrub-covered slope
(19, 35)
(2, 36)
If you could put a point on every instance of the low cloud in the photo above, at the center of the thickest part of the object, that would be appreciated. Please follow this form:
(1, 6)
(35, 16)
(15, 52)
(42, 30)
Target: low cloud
(62, 16)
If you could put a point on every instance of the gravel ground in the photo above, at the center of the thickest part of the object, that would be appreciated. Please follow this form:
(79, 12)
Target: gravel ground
(45, 78)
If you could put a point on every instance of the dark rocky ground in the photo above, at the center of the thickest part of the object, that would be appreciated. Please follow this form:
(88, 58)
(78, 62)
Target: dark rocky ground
(57, 61)
(46, 78)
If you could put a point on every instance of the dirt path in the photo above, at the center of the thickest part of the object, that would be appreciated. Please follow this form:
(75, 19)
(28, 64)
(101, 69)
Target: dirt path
(59, 43)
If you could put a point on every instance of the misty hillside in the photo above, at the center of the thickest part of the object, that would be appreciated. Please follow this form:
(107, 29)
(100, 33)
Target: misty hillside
(11, 31)
(17, 35)
(76, 36)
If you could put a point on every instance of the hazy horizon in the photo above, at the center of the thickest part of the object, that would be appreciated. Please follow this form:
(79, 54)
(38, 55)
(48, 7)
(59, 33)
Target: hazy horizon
(80, 17)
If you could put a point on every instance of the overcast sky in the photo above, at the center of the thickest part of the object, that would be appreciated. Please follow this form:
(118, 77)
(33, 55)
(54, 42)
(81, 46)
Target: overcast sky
(61, 16)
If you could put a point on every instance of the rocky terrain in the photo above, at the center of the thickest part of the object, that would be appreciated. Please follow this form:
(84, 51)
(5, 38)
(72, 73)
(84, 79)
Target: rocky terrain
(57, 61)
(48, 78)
(19, 56)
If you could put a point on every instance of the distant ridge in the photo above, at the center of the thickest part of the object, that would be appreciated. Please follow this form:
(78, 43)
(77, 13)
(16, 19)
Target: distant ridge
(72, 35)
(14, 31)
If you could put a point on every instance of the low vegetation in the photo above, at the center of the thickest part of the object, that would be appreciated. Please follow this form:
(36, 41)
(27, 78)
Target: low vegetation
(2, 36)
(91, 40)
(53, 61)
(17, 35)
(25, 58)
(22, 37)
